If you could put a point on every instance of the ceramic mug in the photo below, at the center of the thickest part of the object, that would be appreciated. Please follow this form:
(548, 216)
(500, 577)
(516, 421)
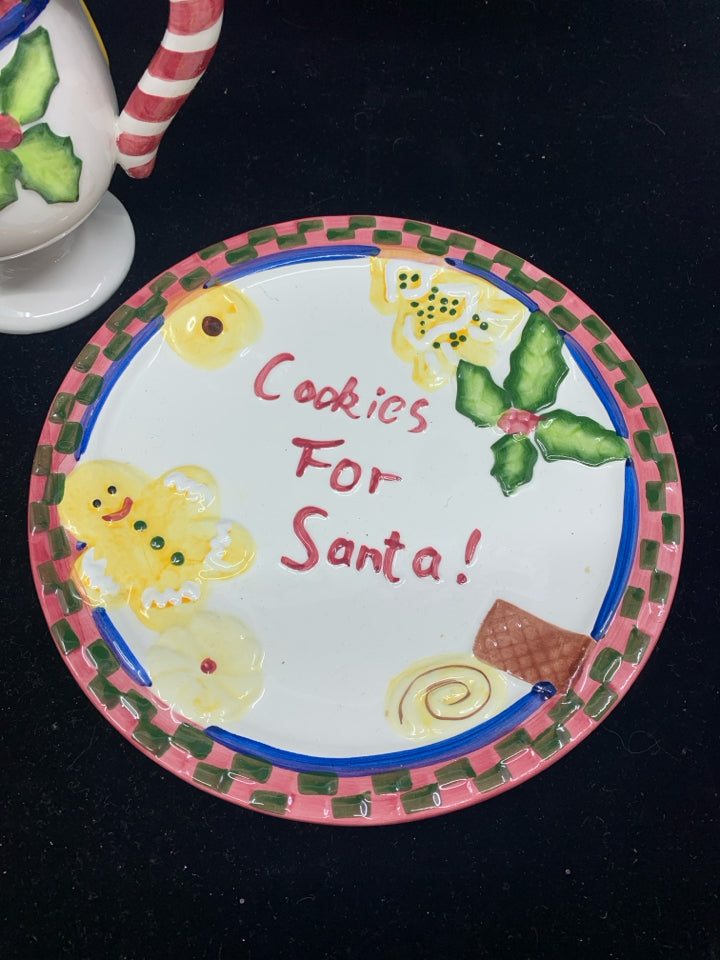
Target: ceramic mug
(60, 139)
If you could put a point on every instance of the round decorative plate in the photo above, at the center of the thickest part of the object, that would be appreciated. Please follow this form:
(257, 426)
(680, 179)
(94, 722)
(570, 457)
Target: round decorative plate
(355, 520)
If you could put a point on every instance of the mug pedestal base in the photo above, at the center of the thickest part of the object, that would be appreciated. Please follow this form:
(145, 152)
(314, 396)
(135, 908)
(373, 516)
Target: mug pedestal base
(68, 279)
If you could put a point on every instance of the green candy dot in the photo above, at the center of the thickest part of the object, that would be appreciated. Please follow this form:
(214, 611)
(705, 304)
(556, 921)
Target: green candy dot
(139, 525)
(436, 345)
(157, 543)
(415, 277)
(484, 325)
(453, 336)
(403, 276)
(177, 558)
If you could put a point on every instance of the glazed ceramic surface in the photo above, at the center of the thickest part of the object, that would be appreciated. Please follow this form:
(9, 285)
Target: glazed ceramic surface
(61, 137)
(355, 520)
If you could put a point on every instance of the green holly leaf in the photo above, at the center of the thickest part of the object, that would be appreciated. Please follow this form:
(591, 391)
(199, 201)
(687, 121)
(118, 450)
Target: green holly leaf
(537, 367)
(9, 172)
(28, 80)
(562, 435)
(515, 457)
(478, 396)
(49, 166)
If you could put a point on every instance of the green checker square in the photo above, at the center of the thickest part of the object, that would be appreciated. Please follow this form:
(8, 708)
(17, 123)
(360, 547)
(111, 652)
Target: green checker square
(645, 443)
(421, 229)
(263, 235)
(70, 437)
(600, 702)
(69, 598)
(212, 250)
(241, 254)
(551, 288)
(120, 318)
(320, 784)
(478, 261)
(521, 280)
(270, 801)
(340, 233)
(251, 768)
(163, 282)
(516, 743)
(509, 260)
(358, 222)
(39, 516)
(433, 245)
(153, 307)
(632, 602)
(86, 358)
(667, 467)
(196, 278)
(461, 240)
(637, 643)
(290, 240)
(61, 407)
(655, 420)
(155, 740)
(106, 692)
(42, 461)
(90, 389)
(118, 346)
(48, 577)
(660, 586)
(607, 356)
(310, 226)
(424, 798)
(54, 488)
(655, 494)
(357, 805)
(138, 705)
(103, 658)
(633, 373)
(596, 327)
(455, 772)
(649, 553)
(393, 781)
(564, 318)
(605, 665)
(671, 528)
(389, 238)
(65, 636)
(192, 741)
(628, 393)
(59, 545)
(566, 706)
(551, 740)
(492, 778)
(217, 778)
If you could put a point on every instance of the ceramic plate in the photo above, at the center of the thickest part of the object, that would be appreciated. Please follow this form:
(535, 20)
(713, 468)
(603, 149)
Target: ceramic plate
(355, 520)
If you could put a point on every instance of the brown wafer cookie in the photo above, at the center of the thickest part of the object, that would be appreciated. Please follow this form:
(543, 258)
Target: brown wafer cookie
(514, 640)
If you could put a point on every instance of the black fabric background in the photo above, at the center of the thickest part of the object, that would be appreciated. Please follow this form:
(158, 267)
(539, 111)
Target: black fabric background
(582, 136)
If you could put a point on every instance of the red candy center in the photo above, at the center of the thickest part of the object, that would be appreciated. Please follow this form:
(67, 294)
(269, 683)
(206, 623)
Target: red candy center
(208, 665)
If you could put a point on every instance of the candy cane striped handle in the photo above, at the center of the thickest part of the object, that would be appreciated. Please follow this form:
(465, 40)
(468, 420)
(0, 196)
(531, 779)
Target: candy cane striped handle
(182, 57)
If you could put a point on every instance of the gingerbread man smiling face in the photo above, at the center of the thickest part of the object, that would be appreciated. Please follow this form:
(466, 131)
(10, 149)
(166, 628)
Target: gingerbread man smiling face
(152, 544)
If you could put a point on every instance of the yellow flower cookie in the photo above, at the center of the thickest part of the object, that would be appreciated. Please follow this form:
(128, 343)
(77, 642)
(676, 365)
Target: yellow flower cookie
(442, 316)
(151, 544)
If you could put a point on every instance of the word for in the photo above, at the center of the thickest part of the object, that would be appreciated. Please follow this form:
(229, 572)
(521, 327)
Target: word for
(346, 399)
(345, 474)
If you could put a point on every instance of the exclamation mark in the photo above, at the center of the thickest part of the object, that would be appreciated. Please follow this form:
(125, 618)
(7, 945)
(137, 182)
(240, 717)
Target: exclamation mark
(472, 545)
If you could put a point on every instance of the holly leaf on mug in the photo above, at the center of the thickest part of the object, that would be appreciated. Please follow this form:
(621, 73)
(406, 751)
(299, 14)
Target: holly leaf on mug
(9, 171)
(48, 165)
(28, 80)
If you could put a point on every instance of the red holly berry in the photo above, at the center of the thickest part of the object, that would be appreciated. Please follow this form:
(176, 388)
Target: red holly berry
(518, 421)
(208, 665)
(10, 132)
